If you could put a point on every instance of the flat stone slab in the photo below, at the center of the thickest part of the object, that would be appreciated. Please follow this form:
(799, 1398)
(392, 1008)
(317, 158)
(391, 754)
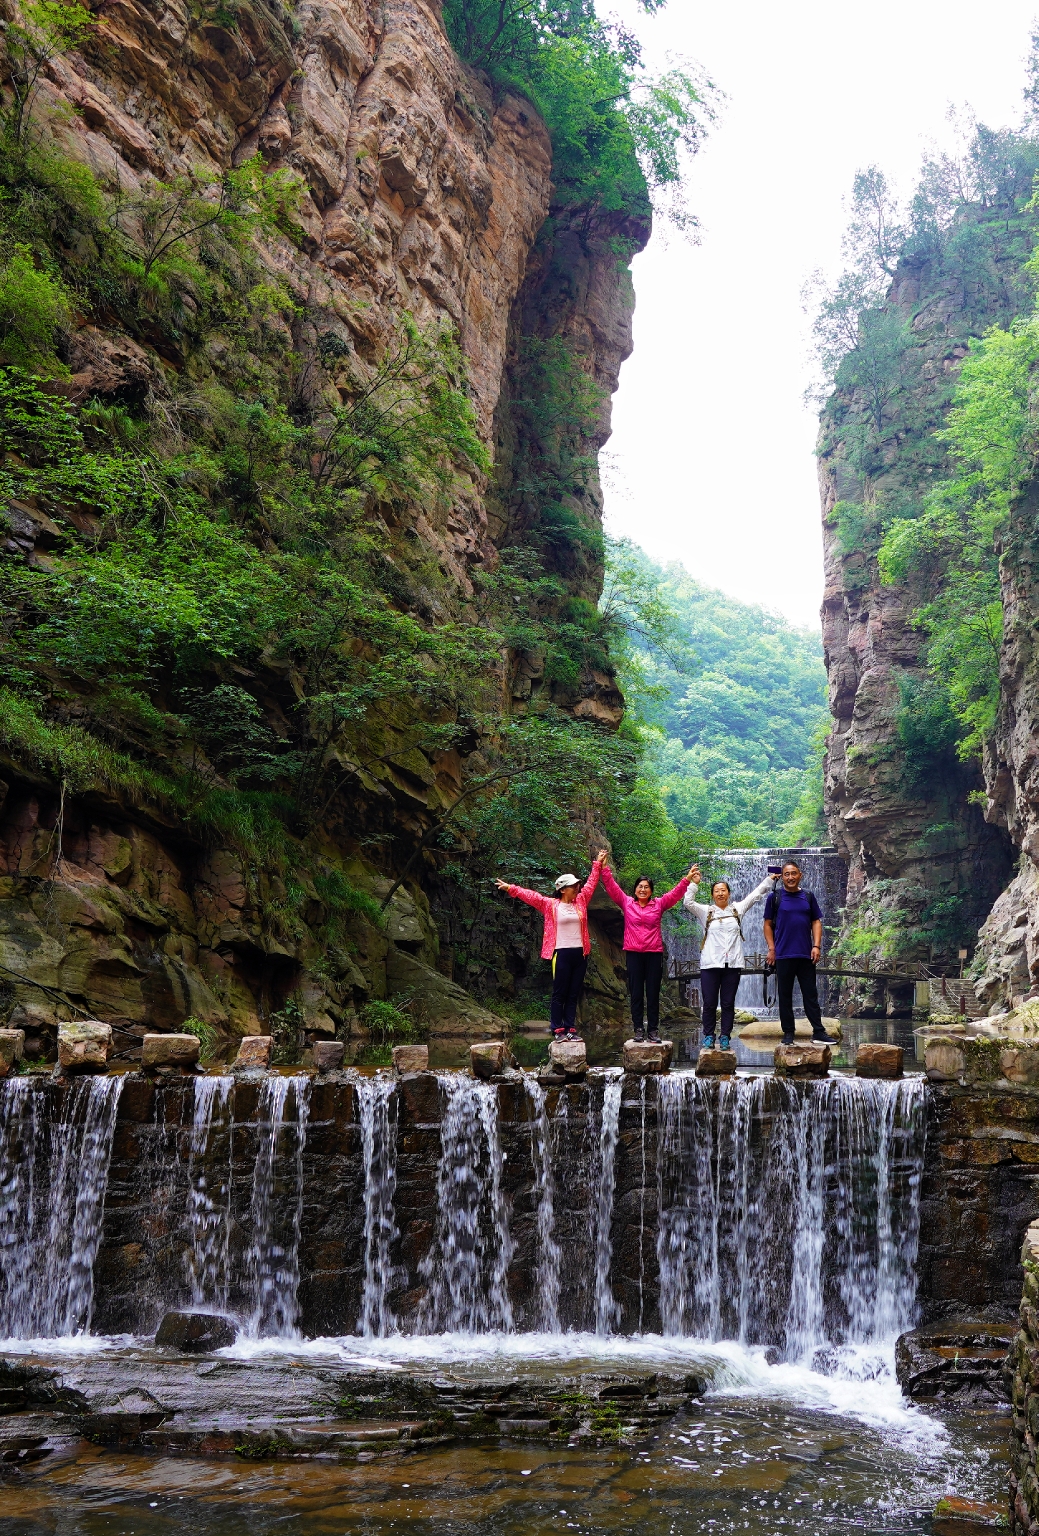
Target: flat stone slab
(647, 1056)
(944, 1060)
(327, 1055)
(169, 1051)
(876, 1059)
(772, 1029)
(716, 1063)
(196, 1333)
(961, 1360)
(487, 1058)
(806, 1060)
(962, 1517)
(84, 1045)
(569, 1056)
(12, 1049)
(410, 1058)
(254, 1051)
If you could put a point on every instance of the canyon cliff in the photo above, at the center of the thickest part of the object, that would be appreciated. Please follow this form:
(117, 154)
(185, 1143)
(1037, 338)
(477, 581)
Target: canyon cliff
(423, 192)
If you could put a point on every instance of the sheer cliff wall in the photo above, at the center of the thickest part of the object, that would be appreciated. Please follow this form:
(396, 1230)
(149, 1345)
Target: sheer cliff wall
(425, 192)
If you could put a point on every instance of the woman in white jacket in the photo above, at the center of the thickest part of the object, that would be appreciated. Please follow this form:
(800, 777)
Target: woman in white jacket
(721, 954)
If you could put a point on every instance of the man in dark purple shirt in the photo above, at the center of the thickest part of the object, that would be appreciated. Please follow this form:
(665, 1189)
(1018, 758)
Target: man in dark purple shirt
(794, 935)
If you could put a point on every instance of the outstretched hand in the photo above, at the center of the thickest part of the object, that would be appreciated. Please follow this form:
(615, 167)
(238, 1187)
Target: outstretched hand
(694, 874)
(602, 856)
(502, 885)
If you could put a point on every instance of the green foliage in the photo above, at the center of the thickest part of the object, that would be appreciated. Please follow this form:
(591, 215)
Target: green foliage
(927, 731)
(40, 31)
(617, 133)
(34, 308)
(204, 1033)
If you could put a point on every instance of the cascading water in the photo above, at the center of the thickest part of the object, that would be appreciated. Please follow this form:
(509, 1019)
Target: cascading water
(466, 1267)
(549, 1255)
(607, 1312)
(209, 1193)
(377, 1106)
(272, 1263)
(50, 1224)
(788, 1212)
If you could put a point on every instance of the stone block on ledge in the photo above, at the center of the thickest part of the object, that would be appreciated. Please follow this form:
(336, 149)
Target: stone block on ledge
(410, 1058)
(647, 1055)
(716, 1063)
(877, 1059)
(84, 1046)
(808, 1060)
(327, 1054)
(254, 1051)
(487, 1058)
(569, 1057)
(169, 1051)
(12, 1049)
(944, 1059)
(196, 1333)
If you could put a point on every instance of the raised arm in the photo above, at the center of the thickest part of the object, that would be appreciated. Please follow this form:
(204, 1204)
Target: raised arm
(699, 909)
(674, 896)
(520, 893)
(755, 896)
(588, 888)
(611, 887)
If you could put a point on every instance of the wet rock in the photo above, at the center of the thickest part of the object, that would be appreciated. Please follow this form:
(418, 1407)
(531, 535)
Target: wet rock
(961, 1517)
(878, 1060)
(808, 1060)
(647, 1056)
(84, 1046)
(944, 1059)
(328, 1055)
(965, 1361)
(12, 1049)
(715, 1063)
(487, 1058)
(196, 1333)
(569, 1057)
(254, 1051)
(410, 1058)
(169, 1051)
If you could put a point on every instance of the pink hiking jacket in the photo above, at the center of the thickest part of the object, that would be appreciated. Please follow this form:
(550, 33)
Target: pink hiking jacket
(548, 905)
(642, 924)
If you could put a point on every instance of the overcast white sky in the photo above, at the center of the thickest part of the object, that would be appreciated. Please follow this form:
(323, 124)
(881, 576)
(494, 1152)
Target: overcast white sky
(711, 459)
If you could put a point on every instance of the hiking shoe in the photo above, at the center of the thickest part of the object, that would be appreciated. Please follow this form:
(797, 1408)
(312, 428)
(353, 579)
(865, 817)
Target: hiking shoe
(640, 1035)
(723, 1043)
(559, 1034)
(787, 1040)
(654, 1037)
(824, 1038)
(708, 1043)
(571, 1034)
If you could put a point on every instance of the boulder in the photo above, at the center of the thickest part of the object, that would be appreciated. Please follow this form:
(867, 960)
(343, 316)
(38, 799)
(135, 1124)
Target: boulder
(944, 1059)
(328, 1054)
(12, 1049)
(254, 1051)
(196, 1333)
(169, 1051)
(1020, 1064)
(450, 1012)
(875, 1059)
(647, 1055)
(410, 1058)
(961, 1360)
(84, 1046)
(716, 1063)
(808, 1060)
(487, 1058)
(965, 1517)
(569, 1057)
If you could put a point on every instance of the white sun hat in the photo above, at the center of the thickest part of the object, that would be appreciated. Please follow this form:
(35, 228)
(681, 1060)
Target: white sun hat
(566, 880)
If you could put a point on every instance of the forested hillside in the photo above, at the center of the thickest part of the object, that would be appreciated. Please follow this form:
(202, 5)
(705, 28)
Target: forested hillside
(732, 705)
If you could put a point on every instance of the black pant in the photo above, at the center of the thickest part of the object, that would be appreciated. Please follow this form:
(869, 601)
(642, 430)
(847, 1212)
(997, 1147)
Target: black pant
(803, 972)
(568, 968)
(645, 973)
(723, 981)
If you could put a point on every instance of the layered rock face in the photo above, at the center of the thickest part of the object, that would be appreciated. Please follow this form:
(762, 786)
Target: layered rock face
(422, 193)
(925, 865)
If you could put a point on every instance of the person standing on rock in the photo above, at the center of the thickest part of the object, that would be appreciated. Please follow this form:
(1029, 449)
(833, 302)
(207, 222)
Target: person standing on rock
(721, 953)
(794, 934)
(644, 944)
(565, 941)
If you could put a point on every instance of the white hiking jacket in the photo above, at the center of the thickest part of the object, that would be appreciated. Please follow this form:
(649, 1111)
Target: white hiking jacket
(724, 943)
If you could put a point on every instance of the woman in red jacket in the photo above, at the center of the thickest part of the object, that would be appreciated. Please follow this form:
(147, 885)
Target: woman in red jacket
(565, 941)
(644, 943)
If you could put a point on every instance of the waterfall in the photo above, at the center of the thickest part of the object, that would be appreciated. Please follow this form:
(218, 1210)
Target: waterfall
(276, 1210)
(607, 1312)
(209, 1205)
(375, 1096)
(789, 1212)
(549, 1255)
(51, 1226)
(466, 1267)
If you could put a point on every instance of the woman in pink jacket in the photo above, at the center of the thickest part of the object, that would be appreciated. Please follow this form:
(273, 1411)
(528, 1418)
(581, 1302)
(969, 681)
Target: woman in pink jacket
(644, 944)
(565, 942)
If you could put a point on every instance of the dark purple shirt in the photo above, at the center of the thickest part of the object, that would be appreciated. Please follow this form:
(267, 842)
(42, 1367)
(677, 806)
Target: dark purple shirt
(793, 927)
